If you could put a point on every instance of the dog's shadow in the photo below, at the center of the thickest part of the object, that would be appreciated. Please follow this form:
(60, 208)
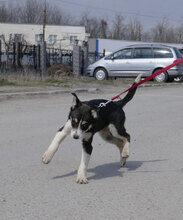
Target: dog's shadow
(112, 169)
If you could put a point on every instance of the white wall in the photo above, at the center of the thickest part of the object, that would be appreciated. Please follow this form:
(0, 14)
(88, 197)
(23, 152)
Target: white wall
(112, 45)
(30, 30)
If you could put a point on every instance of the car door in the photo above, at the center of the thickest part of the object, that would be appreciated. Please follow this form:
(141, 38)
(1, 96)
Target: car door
(118, 63)
(142, 61)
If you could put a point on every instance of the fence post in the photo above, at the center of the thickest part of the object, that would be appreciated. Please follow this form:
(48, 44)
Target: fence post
(0, 52)
(85, 58)
(43, 59)
(18, 55)
(14, 54)
(38, 57)
(77, 60)
(34, 56)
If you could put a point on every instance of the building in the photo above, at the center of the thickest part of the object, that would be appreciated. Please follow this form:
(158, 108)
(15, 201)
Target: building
(63, 37)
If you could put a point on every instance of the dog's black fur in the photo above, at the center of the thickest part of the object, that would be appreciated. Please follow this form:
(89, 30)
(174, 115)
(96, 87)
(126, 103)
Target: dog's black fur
(87, 118)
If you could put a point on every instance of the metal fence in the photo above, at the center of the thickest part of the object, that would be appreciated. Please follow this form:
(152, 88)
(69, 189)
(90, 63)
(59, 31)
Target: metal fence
(58, 56)
(17, 56)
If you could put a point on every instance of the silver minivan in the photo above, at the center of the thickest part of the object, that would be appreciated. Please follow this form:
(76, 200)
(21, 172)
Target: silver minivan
(141, 58)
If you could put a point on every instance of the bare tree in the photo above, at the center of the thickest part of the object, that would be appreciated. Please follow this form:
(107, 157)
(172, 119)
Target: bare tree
(103, 28)
(7, 42)
(56, 16)
(3, 13)
(92, 24)
(31, 12)
(118, 28)
(179, 34)
(160, 31)
(134, 30)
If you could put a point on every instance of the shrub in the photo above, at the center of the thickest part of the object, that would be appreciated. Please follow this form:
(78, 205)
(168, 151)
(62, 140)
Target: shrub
(60, 70)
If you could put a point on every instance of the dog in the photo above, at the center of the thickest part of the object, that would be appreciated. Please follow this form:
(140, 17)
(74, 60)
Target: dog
(87, 118)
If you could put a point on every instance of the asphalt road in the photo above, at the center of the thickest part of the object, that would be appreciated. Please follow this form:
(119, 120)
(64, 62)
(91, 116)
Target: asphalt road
(150, 187)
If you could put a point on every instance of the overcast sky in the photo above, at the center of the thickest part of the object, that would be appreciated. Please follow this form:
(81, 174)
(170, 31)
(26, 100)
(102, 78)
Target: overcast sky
(149, 12)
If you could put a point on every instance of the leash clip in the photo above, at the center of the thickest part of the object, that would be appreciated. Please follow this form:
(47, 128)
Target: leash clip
(102, 104)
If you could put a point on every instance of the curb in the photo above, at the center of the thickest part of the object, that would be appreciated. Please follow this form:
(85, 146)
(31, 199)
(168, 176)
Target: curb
(39, 93)
(158, 85)
(7, 95)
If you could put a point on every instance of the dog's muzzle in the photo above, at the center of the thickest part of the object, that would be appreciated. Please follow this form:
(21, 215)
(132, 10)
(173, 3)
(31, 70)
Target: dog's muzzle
(76, 133)
(75, 136)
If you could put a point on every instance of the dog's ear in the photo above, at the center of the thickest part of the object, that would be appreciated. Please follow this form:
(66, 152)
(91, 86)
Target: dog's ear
(76, 102)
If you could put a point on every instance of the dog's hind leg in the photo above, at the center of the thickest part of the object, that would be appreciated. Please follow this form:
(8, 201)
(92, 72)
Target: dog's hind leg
(59, 137)
(124, 145)
(124, 149)
(110, 135)
(85, 158)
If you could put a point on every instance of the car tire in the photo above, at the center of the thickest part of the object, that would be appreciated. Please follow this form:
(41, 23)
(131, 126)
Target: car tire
(100, 74)
(163, 77)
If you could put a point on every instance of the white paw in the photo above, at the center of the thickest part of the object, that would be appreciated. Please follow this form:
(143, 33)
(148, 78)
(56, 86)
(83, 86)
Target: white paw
(125, 154)
(137, 80)
(47, 156)
(123, 161)
(81, 180)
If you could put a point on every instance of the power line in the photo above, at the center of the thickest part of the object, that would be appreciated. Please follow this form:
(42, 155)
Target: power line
(115, 11)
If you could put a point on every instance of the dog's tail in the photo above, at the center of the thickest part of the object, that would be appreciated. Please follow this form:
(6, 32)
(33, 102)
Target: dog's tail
(130, 93)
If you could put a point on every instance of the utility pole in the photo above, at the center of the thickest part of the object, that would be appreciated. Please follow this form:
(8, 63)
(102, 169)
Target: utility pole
(44, 20)
(43, 45)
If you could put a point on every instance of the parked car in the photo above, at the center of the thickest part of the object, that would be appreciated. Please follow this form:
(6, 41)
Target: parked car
(141, 58)
(179, 78)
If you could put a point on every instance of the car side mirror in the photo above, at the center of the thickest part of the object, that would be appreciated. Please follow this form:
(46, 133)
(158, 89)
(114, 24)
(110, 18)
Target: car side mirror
(112, 57)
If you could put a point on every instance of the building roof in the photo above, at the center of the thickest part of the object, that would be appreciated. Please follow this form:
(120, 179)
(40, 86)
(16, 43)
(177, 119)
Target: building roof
(42, 24)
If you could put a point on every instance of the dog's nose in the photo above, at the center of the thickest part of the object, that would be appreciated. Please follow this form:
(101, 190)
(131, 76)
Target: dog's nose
(76, 136)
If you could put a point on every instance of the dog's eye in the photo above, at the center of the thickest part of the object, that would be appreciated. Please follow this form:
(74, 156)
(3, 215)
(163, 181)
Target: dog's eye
(84, 125)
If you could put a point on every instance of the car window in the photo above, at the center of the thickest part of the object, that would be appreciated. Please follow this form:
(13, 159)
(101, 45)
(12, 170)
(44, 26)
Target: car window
(178, 53)
(123, 54)
(142, 53)
(162, 53)
(109, 57)
(181, 51)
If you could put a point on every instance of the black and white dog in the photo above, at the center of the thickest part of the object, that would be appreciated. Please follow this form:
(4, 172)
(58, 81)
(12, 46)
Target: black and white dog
(87, 118)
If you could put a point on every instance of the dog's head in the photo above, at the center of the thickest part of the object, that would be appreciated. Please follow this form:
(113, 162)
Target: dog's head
(82, 118)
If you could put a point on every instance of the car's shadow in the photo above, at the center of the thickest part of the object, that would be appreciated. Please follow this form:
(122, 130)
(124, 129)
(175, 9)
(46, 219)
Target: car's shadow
(113, 169)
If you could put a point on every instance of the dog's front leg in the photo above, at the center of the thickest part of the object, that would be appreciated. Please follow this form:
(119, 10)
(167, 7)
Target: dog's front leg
(59, 137)
(85, 158)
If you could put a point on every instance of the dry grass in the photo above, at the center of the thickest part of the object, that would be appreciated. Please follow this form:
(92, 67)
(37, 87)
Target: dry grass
(65, 81)
(56, 81)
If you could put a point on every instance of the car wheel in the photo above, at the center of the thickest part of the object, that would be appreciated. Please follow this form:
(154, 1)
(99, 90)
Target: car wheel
(100, 74)
(178, 79)
(163, 77)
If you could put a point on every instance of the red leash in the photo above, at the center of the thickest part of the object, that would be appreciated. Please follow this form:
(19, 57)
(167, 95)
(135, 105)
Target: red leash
(175, 63)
